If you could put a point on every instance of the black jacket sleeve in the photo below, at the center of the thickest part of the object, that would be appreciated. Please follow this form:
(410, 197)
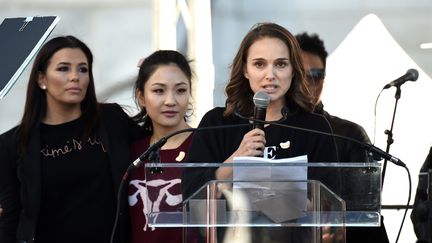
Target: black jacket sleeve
(9, 188)
(113, 111)
(421, 215)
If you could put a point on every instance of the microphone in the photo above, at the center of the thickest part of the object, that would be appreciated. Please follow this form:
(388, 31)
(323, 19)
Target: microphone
(410, 75)
(261, 100)
(376, 152)
(152, 152)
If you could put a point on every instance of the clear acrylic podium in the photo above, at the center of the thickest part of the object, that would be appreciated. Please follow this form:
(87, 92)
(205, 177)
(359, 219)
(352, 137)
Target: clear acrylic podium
(269, 210)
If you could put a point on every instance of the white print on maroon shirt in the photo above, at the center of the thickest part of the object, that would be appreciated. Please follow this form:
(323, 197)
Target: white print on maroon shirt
(149, 206)
(70, 146)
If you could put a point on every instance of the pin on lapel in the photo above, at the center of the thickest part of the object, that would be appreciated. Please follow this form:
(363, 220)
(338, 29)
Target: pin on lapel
(180, 156)
(285, 145)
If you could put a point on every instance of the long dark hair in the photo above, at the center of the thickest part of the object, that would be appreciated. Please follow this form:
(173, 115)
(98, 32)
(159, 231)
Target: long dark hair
(36, 101)
(238, 91)
(147, 68)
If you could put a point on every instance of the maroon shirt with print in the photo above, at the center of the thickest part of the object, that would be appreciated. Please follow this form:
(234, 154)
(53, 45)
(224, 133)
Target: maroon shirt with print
(164, 194)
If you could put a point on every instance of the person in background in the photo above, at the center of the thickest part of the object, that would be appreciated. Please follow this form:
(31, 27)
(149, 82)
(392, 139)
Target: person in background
(61, 167)
(268, 60)
(421, 214)
(314, 56)
(163, 94)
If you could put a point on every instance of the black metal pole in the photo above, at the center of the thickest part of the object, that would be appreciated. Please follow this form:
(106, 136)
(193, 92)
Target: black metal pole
(389, 133)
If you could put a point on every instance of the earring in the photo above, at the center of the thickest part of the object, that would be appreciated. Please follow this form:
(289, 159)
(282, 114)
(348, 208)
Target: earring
(43, 87)
(189, 111)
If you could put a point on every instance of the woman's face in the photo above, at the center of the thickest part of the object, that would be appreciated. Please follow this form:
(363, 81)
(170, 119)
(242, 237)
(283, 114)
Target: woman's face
(66, 79)
(166, 97)
(268, 68)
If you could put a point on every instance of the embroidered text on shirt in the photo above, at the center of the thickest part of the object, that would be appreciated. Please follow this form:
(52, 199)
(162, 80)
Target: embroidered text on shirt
(69, 147)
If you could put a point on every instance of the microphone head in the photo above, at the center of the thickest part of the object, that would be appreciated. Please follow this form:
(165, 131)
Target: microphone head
(412, 74)
(261, 99)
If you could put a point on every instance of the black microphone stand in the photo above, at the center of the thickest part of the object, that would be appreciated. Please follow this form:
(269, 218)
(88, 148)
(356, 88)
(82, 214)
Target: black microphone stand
(389, 133)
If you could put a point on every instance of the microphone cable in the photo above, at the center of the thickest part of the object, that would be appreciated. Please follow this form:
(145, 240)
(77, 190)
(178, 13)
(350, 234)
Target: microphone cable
(406, 208)
(368, 147)
(284, 112)
(375, 116)
(332, 132)
(377, 152)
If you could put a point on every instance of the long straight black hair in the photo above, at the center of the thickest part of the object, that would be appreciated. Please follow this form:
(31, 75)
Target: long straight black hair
(36, 101)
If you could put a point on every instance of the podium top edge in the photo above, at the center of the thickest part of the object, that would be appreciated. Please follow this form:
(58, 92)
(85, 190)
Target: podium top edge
(267, 164)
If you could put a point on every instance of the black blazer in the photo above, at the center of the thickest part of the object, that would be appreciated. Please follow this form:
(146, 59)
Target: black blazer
(20, 176)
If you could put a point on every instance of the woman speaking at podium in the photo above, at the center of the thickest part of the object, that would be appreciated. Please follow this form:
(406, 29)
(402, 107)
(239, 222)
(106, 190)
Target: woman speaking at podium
(268, 60)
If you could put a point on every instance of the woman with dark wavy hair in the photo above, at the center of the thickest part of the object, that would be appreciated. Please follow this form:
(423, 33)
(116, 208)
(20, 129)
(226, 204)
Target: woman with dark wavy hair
(268, 60)
(61, 166)
(238, 90)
